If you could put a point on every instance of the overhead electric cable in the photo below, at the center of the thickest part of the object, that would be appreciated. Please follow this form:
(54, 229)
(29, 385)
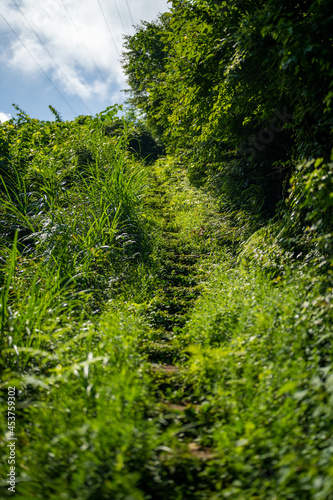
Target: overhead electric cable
(108, 26)
(39, 66)
(84, 43)
(130, 13)
(119, 15)
(55, 62)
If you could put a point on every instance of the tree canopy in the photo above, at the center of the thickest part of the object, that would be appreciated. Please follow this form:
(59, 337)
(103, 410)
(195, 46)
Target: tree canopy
(242, 88)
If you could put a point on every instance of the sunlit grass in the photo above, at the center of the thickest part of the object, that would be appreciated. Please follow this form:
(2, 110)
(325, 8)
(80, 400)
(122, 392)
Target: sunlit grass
(94, 249)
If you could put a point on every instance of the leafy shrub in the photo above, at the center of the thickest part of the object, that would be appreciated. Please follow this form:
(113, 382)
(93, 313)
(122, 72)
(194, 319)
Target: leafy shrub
(311, 202)
(260, 365)
(194, 73)
(263, 249)
(73, 237)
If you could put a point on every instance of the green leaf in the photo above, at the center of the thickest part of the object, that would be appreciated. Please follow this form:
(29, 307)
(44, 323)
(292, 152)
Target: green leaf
(288, 387)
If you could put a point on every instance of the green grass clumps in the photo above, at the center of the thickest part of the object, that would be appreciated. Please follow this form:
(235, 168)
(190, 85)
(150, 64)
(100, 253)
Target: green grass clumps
(261, 366)
(81, 427)
(163, 344)
(74, 249)
(72, 226)
(265, 249)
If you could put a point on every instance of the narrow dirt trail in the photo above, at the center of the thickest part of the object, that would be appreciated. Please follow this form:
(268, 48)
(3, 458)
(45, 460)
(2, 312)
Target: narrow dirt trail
(181, 279)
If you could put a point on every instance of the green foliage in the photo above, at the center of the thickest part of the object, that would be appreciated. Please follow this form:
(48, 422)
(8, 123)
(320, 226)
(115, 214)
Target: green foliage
(143, 144)
(71, 207)
(311, 201)
(166, 339)
(260, 366)
(234, 86)
(158, 340)
(264, 250)
(91, 438)
(144, 62)
(55, 113)
(74, 242)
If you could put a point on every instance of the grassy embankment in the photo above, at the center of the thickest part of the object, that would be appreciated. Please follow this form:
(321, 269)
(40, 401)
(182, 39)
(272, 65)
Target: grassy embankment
(159, 348)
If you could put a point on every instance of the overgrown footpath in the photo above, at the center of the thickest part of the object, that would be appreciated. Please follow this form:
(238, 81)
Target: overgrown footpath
(245, 368)
(160, 344)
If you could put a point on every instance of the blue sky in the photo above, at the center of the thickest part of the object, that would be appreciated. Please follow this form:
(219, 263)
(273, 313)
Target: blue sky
(67, 54)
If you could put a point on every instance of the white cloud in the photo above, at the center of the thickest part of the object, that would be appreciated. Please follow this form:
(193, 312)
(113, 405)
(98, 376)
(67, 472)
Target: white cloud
(78, 50)
(4, 117)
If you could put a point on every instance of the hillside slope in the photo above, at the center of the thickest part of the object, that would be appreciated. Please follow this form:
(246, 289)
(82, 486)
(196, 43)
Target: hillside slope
(161, 345)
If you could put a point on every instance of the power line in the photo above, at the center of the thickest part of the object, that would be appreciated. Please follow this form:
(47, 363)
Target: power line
(130, 13)
(119, 15)
(39, 66)
(47, 50)
(108, 26)
(88, 51)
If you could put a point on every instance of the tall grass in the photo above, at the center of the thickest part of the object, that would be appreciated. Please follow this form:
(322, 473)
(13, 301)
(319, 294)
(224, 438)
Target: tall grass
(74, 287)
(63, 222)
(71, 225)
(34, 301)
(260, 363)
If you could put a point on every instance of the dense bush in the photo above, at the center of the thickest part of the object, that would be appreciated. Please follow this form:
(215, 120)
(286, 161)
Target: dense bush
(73, 239)
(242, 88)
(260, 363)
(112, 266)
(72, 201)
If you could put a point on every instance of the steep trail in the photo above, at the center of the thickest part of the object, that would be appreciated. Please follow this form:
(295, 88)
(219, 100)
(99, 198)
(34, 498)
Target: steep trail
(230, 357)
(163, 342)
(189, 226)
